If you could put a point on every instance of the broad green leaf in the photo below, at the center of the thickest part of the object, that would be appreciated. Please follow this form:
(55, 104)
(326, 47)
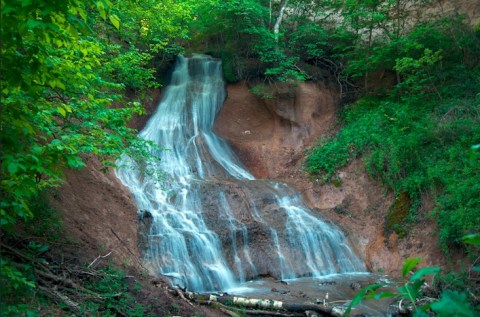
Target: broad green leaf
(115, 21)
(101, 9)
(75, 162)
(424, 271)
(12, 167)
(385, 295)
(364, 293)
(62, 111)
(411, 290)
(60, 85)
(473, 238)
(409, 265)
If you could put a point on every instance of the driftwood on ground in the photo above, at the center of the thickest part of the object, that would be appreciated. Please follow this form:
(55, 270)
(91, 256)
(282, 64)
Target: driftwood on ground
(268, 306)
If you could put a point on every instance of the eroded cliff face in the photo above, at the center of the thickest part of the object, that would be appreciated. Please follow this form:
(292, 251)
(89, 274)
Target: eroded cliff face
(271, 136)
(469, 8)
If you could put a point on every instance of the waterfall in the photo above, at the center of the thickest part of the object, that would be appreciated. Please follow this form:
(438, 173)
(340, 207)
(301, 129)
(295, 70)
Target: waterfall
(213, 223)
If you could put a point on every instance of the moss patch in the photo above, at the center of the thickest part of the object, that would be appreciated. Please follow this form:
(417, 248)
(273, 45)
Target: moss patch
(397, 216)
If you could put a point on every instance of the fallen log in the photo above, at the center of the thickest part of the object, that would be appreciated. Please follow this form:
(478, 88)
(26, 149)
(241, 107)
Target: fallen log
(250, 312)
(269, 304)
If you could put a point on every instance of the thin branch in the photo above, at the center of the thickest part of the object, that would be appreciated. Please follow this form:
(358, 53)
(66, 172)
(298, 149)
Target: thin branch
(99, 257)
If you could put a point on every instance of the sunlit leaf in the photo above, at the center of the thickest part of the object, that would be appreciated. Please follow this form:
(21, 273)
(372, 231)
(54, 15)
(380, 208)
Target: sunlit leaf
(12, 167)
(62, 111)
(425, 271)
(473, 238)
(115, 21)
(101, 9)
(409, 265)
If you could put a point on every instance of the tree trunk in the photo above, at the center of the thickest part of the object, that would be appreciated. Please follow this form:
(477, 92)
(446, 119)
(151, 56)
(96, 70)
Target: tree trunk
(278, 22)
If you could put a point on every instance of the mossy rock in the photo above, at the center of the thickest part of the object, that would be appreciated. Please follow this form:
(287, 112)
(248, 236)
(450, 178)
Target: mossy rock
(397, 216)
(337, 182)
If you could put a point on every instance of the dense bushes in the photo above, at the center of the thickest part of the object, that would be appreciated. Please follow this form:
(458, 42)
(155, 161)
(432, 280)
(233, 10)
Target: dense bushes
(422, 135)
(65, 66)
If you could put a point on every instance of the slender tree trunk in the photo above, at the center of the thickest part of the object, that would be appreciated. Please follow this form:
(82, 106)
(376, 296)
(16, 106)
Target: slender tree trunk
(278, 22)
(270, 20)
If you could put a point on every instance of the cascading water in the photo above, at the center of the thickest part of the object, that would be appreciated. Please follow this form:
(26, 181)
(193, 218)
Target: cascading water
(213, 224)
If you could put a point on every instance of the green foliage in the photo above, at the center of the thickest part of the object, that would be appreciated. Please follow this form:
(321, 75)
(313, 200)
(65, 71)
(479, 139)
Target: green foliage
(13, 277)
(229, 67)
(53, 103)
(65, 66)
(409, 265)
(113, 286)
(18, 288)
(262, 91)
(106, 292)
(473, 239)
(131, 68)
(418, 137)
(450, 303)
(63, 82)
(46, 225)
(244, 29)
(362, 294)
(29, 268)
(453, 304)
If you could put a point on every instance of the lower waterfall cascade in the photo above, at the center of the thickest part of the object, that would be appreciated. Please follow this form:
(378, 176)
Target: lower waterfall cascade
(213, 224)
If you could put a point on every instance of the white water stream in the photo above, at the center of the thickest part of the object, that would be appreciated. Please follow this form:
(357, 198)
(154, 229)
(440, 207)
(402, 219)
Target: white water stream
(209, 213)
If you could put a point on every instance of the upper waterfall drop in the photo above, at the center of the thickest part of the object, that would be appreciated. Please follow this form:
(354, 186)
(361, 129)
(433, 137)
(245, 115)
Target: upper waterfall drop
(213, 224)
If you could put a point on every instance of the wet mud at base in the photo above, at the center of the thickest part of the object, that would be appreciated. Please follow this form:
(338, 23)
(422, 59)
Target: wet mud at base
(333, 290)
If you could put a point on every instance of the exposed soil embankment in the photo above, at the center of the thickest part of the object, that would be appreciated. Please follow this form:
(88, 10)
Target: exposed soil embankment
(271, 136)
(98, 211)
